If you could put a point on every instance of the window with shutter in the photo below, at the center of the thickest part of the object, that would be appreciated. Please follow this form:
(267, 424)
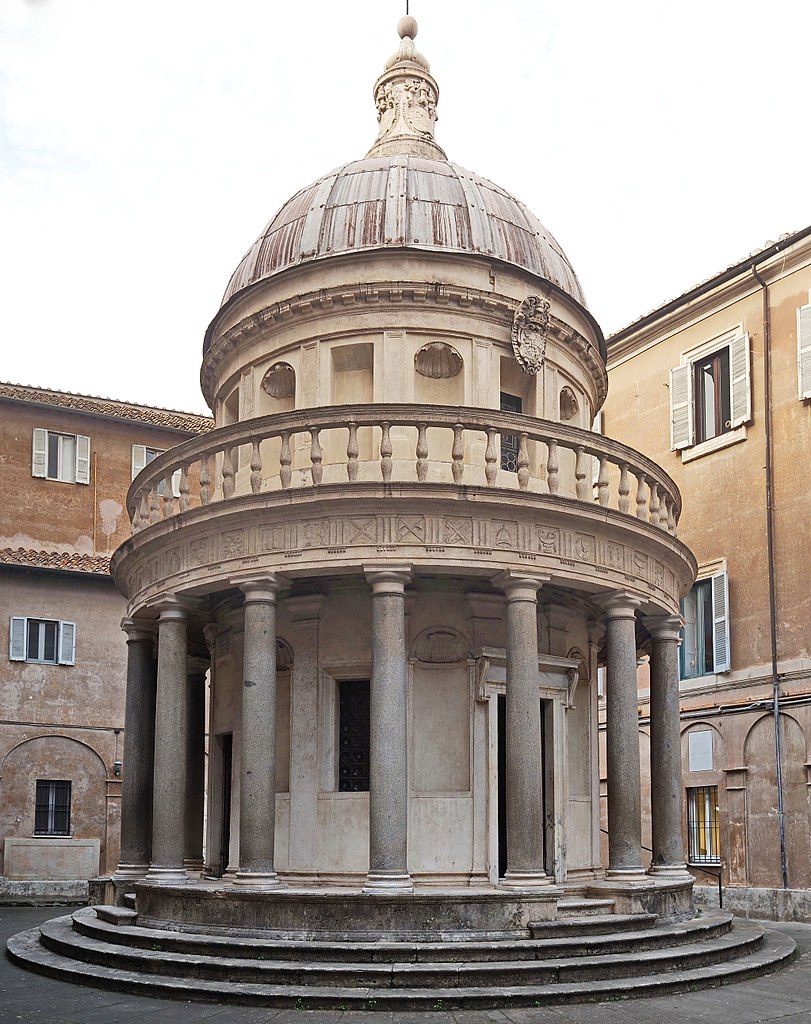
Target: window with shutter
(681, 408)
(39, 459)
(64, 457)
(67, 643)
(720, 622)
(82, 459)
(705, 647)
(804, 350)
(42, 641)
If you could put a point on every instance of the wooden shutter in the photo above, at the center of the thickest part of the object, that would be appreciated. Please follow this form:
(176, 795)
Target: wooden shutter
(82, 459)
(739, 381)
(720, 622)
(138, 459)
(804, 350)
(681, 407)
(16, 638)
(67, 643)
(39, 458)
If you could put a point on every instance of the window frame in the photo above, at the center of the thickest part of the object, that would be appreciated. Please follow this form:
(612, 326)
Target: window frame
(141, 459)
(52, 807)
(78, 470)
(703, 825)
(19, 641)
(715, 580)
(509, 448)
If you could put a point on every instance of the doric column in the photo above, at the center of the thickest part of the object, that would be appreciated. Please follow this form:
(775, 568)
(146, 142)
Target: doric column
(388, 726)
(622, 739)
(195, 762)
(525, 863)
(665, 749)
(139, 751)
(171, 724)
(257, 777)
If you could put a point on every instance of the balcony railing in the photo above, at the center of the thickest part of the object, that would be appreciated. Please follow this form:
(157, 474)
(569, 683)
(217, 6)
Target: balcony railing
(394, 444)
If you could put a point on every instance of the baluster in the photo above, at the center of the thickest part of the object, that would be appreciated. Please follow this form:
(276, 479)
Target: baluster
(285, 458)
(602, 483)
(256, 467)
(582, 489)
(490, 458)
(458, 453)
(522, 462)
(624, 489)
(422, 453)
(653, 504)
(664, 511)
(552, 466)
(168, 503)
(641, 496)
(671, 517)
(352, 451)
(228, 473)
(385, 452)
(205, 481)
(316, 456)
(143, 509)
(154, 509)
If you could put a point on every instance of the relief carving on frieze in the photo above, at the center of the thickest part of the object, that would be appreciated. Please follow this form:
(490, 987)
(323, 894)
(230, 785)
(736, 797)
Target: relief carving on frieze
(528, 333)
(410, 529)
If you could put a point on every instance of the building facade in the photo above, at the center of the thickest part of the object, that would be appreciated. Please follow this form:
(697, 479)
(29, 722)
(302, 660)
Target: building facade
(718, 383)
(67, 461)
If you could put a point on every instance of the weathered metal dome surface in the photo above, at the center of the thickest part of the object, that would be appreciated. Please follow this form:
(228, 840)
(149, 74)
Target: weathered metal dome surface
(405, 201)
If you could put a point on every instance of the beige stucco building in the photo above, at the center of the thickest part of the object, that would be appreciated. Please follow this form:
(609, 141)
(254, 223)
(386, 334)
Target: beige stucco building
(717, 382)
(68, 461)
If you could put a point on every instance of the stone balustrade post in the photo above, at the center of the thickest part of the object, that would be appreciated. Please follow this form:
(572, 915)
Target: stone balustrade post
(388, 726)
(195, 763)
(257, 780)
(665, 749)
(525, 824)
(622, 740)
(171, 725)
(139, 750)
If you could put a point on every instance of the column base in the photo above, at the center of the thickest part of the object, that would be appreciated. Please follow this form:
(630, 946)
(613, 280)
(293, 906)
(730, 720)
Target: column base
(634, 874)
(385, 883)
(167, 876)
(524, 880)
(194, 868)
(124, 871)
(258, 880)
(670, 872)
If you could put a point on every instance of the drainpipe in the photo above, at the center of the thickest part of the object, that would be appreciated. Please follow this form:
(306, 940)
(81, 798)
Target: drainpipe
(767, 421)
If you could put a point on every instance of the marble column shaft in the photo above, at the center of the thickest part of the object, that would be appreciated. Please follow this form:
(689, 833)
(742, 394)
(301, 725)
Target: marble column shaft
(665, 748)
(622, 739)
(139, 750)
(388, 724)
(257, 783)
(171, 725)
(525, 826)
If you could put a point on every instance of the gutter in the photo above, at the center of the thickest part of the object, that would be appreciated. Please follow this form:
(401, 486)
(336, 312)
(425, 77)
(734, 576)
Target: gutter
(767, 421)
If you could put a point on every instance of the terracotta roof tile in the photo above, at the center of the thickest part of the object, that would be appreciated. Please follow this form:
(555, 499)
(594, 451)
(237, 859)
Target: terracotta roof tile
(65, 561)
(168, 418)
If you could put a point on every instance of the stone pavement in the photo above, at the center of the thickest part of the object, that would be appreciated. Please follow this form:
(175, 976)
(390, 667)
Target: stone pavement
(784, 996)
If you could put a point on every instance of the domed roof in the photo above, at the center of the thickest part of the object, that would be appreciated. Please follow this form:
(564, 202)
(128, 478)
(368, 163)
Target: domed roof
(405, 201)
(404, 194)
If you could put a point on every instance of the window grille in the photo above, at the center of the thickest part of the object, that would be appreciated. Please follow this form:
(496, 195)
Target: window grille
(702, 825)
(353, 736)
(52, 808)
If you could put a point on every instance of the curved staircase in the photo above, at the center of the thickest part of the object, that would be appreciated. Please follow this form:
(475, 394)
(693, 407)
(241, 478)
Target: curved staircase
(587, 953)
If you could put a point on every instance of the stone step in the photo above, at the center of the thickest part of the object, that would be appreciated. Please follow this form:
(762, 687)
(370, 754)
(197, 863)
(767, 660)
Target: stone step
(583, 907)
(129, 900)
(595, 924)
(26, 949)
(59, 937)
(703, 927)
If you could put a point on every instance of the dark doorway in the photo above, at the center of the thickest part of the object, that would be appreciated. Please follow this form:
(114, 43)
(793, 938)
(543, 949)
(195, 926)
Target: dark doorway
(501, 764)
(227, 746)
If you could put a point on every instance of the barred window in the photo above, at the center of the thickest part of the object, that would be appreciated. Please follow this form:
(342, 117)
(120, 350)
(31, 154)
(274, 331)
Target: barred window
(52, 809)
(353, 735)
(702, 825)
(509, 442)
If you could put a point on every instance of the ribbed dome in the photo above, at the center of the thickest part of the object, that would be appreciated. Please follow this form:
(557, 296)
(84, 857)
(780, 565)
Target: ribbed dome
(406, 201)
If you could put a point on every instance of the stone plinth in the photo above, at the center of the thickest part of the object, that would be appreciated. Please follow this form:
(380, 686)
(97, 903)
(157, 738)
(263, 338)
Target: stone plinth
(41, 858)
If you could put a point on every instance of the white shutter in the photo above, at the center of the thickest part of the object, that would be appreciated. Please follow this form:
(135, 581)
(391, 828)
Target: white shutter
(689, 644)
(67, 643)
(739, 382)
(681, 407)
(39, 458)
(16, 638)
(176, 484)
(720, 622)
(804, 350)
(138, 459)
(82, 459)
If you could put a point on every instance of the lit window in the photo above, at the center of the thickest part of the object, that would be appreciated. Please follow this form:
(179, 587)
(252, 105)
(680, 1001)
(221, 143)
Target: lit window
(43, 641)
(58, 456)
(710, 392)
(52, 810)
(702, 825)
(353, 735)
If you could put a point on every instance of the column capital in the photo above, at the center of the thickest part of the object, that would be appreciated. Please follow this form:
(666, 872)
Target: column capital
(519, 586)
(388, 579)
(619, 604)
(664, 627)
(258, 587)
(171, 607)
(138, 629)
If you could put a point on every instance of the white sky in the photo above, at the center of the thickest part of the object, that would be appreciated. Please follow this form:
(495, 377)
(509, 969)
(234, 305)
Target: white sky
(144, 146)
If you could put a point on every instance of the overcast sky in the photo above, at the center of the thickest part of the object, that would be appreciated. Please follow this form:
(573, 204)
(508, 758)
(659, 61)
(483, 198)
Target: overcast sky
(144, 146)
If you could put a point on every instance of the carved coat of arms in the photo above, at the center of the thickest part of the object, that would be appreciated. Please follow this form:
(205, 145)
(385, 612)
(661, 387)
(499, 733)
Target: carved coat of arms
(529, 333)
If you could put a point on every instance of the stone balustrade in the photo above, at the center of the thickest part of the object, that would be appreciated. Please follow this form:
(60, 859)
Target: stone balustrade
(396, 444)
